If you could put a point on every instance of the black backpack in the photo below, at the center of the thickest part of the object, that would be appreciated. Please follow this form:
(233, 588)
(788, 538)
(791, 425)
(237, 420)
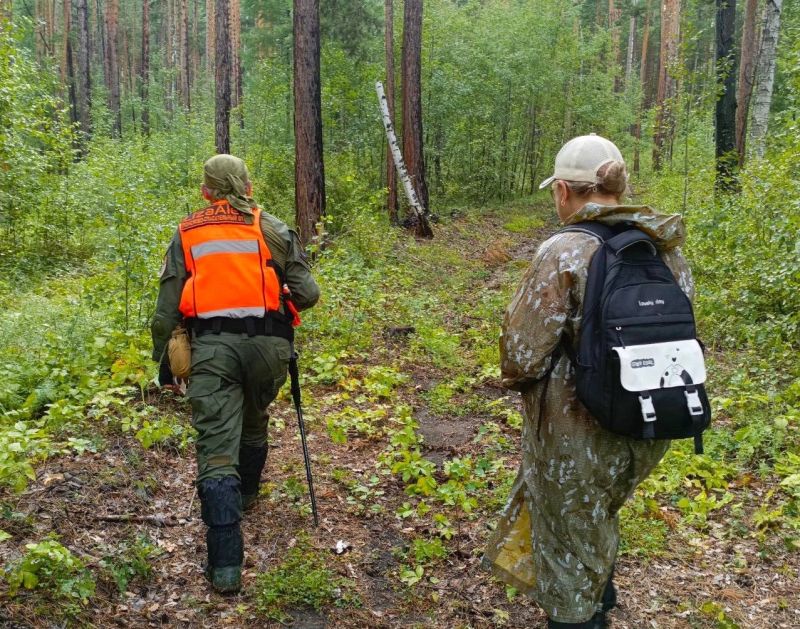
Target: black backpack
(639, 366)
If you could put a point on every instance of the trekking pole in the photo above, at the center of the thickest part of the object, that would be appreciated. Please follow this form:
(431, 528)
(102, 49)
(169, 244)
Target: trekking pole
(294, 374)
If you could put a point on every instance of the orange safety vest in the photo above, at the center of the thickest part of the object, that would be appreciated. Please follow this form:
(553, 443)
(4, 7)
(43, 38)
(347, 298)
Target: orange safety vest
(229, 265)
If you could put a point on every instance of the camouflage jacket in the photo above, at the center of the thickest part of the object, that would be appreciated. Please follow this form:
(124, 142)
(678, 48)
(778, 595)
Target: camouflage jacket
(546, 307)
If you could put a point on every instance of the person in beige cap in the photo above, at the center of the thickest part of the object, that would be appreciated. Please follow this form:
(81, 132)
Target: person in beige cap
(558, 536)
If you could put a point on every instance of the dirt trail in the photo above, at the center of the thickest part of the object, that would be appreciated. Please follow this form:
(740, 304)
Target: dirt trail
(71, 492)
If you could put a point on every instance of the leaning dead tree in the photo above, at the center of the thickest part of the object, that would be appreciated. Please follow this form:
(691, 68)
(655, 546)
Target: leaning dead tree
(422, 223)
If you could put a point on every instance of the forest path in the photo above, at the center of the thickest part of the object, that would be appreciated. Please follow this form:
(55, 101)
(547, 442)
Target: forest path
(400, 564)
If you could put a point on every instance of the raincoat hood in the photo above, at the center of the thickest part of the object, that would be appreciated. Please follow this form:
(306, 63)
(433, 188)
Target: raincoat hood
(667, 230)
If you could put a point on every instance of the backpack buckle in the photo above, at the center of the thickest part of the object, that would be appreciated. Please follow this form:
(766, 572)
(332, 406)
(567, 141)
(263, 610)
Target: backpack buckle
(648, 410)
(693, 402)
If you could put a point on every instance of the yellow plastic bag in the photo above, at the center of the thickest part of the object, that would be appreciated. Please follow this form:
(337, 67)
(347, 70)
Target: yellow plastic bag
(179, 352)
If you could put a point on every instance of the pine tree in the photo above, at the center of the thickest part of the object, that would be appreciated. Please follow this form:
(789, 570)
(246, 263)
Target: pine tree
(412, 98)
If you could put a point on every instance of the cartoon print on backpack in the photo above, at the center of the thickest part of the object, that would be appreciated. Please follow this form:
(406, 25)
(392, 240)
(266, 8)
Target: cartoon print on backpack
(675, 374)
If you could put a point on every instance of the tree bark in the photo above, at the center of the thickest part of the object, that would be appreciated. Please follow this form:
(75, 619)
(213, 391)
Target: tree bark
(637, 130)
(112, 21)
(613, 24)
(629, 56)
(309, 172)
(423, 227)
(67, 13)
(670, 35)
(391, 176)
(412, 98)
(185, 56)
(210, 35)
(84, 94)
(236, 60)
(725, 116)
(765, 75)
(222, 78)
(747, 65)
(145, 67)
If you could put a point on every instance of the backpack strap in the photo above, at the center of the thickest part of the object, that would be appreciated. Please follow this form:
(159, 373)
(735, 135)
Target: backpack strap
(629, 238)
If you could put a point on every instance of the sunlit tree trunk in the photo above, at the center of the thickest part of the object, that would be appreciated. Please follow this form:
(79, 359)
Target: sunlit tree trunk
(84, 92)
(210, 35)
(236, 61)
(629, 55)
(412, 98)
(747, 67)
(765, 75)
(670, 35)
(145, 67)
(222, 78)
(309, 172)
(391, 176)
(725, 116)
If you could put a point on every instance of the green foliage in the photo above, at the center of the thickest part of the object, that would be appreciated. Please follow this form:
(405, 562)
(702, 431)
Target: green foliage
(131, 560)
(51, 568)
(301, 580)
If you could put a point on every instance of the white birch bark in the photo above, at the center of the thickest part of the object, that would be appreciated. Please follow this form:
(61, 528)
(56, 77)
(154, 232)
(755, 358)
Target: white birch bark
(765, 75)
(631, 42)
(397, 155)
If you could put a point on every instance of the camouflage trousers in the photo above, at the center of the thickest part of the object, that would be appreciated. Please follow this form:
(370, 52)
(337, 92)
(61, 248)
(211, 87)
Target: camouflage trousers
(558, 536)
(234, 378)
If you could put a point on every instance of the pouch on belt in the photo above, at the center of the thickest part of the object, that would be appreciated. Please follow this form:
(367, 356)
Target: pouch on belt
(179, 352)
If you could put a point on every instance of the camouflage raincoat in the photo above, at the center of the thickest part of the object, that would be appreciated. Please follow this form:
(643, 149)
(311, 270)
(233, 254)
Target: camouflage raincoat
(558, 535)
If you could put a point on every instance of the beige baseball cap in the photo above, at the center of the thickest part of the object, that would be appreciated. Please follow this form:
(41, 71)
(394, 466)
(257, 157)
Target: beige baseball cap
(581, 158)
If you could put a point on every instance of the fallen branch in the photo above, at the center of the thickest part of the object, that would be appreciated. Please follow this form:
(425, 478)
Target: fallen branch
(156, 520)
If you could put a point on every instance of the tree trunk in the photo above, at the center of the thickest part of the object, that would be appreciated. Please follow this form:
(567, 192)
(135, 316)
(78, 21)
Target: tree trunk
(391, 176)
(210, 36)
(185, 56)
(613, 25)
(309, 173)
(67, 13)
(765, 75)
(670, 35)
(236, 59)
(631, 44)
(637, 130)
(747, 65)
(145, 69)
(222, 78)
(725, 117)
(84, 72)
(412, 98)
(112, 20)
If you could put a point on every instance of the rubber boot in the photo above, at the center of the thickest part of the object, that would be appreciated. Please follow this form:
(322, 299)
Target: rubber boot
(221, 509)
(251, 464)
(609, 599)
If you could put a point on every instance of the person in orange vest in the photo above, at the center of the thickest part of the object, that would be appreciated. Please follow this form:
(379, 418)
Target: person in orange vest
(225, 278)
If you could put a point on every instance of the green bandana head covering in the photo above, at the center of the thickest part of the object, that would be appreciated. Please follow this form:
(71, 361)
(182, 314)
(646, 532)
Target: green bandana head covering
(226, 177)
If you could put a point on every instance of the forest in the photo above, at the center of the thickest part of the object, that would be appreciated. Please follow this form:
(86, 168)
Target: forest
(108, 110)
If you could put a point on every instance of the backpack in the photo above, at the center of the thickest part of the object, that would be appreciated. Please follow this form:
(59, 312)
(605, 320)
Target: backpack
(639, 367)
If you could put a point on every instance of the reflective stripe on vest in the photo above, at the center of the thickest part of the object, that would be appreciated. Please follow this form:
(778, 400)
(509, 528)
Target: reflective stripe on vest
(228, 262)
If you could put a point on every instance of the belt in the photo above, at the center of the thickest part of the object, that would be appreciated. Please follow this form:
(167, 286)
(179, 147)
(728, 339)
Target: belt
(270, 325)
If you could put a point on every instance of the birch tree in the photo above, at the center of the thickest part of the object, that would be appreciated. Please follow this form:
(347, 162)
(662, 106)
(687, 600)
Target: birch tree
(765, 75)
